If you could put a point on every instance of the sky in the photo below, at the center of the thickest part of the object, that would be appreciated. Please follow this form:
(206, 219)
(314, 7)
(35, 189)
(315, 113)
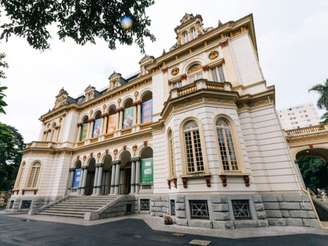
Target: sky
(292, 40)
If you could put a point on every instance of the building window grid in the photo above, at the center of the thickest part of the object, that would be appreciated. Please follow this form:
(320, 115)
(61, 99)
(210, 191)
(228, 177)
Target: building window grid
(34, 176)
(144, 205)
(199, 209)
(194, 150)
(226, 146)
(241, 209)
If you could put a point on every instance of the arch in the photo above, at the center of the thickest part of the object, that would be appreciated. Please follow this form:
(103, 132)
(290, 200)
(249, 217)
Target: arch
(194, 67)
(147, 107)
(146, 152)
(313, 165)
(129, 113)
(96, 129)
(112, 109)
(194, 71)
(84, 128)
(125, 180)
(91, 167)
(33, 179)
(193, 146)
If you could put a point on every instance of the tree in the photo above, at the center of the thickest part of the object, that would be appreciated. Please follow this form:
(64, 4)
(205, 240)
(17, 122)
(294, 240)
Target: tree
(81, 20)
(314, 171)
(322, 103)
(3, 64)
(11, 148)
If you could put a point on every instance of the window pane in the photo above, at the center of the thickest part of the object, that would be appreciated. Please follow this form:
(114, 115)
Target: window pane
(232, 154)
(199, 209)
(96, 128)
(111, 124)
(189, 152)
(198, 151)
(223, 151)
(221, 74)
(84, 131)
(147, 111)
(128, 117)
(241, 210)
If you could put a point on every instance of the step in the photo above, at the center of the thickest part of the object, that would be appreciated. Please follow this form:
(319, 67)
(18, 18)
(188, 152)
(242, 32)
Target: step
(65, 212)
(65, 206)
(61, 215)
(85, 203)
(69, 209)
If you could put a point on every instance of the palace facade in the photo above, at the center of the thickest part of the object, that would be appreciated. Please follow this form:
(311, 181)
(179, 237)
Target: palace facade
(194, 135)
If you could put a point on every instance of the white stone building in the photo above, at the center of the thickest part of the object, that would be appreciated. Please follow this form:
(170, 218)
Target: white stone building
(300, 116)
(194, 135)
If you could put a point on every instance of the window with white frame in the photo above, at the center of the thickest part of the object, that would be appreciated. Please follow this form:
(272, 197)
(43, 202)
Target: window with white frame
(193, 147)
(195, 72)
(34, 175)
(227, 149)
(218, 74)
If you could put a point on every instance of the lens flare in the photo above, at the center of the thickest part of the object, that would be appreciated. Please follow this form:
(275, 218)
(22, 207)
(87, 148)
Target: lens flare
(126, 22)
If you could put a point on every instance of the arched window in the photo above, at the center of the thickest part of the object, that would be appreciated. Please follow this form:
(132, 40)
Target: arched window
(34, 175)
(19, 175)
(129, 114)
(194, 72)
(147, 107)
(226, 145)
(84, 128)
(171, 154)
(193, 147)
(96, 130)
(112, 119)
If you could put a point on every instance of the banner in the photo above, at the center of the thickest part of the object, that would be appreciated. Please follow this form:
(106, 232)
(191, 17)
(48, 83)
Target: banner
(112, 120)
(147, 171)
(128, 117)
(96, 128)
(84, 131)
(147, 111)
(76, 178)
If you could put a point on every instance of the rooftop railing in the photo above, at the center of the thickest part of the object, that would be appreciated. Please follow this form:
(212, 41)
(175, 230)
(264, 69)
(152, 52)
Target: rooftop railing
(322, 128)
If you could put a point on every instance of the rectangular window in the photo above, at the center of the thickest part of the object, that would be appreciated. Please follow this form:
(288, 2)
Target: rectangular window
(218, 74)
(26, 204)
(147, 111)
(241, 209)
(199, 209)
(144, 205)
(172, 207)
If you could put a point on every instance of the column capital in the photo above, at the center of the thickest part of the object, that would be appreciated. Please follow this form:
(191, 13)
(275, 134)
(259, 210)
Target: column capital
(136, 158)
(116, 162)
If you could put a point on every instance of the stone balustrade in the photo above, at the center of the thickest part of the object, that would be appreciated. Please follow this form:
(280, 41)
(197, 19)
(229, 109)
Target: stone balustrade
(322, 128)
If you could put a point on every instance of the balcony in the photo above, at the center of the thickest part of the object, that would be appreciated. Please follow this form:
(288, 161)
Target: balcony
(307, 131)
(200, 84)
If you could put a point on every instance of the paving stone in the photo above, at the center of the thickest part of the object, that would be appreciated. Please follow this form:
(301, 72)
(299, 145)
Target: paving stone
(277, 222)
(221, 216)
(311, 223)
(294, 222)
(290, 205)
(273, 213)
(220, 207)
(271, 205)
(200, 242)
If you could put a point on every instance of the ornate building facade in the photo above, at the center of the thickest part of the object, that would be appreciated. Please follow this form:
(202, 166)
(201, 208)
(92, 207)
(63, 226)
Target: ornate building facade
(194, 135)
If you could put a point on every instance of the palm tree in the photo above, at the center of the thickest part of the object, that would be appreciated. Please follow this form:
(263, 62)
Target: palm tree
(322, 103)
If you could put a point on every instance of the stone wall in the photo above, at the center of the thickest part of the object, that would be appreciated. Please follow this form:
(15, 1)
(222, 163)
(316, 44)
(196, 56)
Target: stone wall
(159, 205)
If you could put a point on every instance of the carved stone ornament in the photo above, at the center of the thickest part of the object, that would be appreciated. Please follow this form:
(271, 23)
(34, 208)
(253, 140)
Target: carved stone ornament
(61, 98)
(213, 55)
(175, 71)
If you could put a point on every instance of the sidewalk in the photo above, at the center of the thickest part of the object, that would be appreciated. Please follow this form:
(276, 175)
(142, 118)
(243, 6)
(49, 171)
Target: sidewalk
(156, 223)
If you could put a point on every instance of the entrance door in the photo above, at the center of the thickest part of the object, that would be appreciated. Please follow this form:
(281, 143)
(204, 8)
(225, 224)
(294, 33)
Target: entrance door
(127, 180)
(89, 183)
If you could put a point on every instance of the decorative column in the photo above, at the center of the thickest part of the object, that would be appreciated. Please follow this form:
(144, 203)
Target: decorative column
(83, 180)
(121, 119)
(104, 124)
(117, 177)
(133, 176)
(95, 181)
(90, 128)
(79, 128)
(137, 180)
(139, 113)
(112, 181)
(99, 179)
(70, 180)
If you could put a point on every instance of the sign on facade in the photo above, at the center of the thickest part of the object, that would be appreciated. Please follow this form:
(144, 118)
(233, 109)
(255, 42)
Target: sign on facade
(147, 171)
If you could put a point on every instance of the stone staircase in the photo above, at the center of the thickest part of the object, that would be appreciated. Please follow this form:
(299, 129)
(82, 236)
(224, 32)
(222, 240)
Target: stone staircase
(77, 206)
